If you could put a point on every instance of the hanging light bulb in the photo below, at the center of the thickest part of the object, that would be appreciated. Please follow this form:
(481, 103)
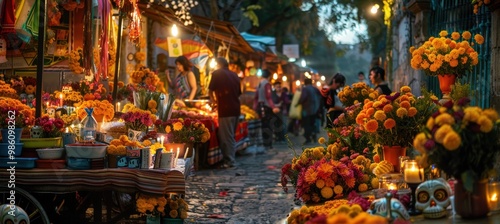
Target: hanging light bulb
(318, 84)
(322, 78)
(212, 63)
(297, 83)
(174, 30)
(284, 78)
(275, 76)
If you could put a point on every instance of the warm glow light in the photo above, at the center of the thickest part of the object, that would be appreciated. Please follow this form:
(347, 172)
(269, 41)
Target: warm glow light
(494, 197)
(174, 30)
(318, 84)
(275, 76)
(392, 186)
(212, 63)
(307, 75)
(297, 83)
(303, 63)
(374, 9)
(322, 78)
(284, 78)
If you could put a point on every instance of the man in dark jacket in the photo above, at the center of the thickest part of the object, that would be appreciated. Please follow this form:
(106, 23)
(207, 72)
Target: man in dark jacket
(310, 101)
(224, 90)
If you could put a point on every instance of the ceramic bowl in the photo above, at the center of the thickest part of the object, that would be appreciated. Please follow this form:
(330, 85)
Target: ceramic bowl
(50, 153)
(89, 151)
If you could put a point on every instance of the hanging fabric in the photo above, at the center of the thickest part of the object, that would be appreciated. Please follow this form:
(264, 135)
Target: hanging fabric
(21, 18)
(104, 10)
(8, 16)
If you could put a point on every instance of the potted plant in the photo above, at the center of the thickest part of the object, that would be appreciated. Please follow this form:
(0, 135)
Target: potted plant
(446, 57)
(14, 116)
(392, 121)
(137, 122)
(462, 141)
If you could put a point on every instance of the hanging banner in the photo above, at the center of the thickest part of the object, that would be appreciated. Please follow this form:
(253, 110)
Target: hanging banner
(174, 47)
(291, 50)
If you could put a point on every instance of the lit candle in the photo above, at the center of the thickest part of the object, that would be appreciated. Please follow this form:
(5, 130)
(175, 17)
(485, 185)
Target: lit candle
(61, 99)
(47, 104)
(493, 190)
(186, 153)
(392, 186)
(162, 138)
(118, 106)
(176, 156)
(412, 173)
(67, 130)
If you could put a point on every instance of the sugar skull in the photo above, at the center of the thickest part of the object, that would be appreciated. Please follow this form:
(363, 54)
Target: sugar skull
(433, 197)
(134, 162)
(51, 111)
(397, 209)
(122, 161)
(36, 132)
(31, 97)
(13, 214)
(23, 97)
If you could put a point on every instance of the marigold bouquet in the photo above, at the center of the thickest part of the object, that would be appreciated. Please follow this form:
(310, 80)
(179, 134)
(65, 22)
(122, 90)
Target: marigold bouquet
(7, 91)
(186, 131)
(395, 119)
(444, 55)
(350, 96)
(176, 208)
(137, 119)
(24, 115)
(51, 127)
(461, 140)
(149, 205)
(102, 109)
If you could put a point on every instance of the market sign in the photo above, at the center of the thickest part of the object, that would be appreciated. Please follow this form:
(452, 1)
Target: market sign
(174, 47)
(291, 50)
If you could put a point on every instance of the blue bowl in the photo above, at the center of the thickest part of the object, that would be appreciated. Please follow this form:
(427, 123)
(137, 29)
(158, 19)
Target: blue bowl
(17, 148)
(78, 163)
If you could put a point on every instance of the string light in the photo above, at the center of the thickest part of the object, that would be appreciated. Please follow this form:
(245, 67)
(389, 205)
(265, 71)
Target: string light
(284, 78)
(174, 30)
(213, 63)
(275, 76)
(181, 8)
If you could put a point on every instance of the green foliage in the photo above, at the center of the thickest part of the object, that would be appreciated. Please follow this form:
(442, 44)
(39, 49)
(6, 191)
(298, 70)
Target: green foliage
(249, 12)
(459, 91)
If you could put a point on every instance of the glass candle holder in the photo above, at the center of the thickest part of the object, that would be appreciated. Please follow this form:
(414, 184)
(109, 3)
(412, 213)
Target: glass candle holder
(493, 196)
(413, 176)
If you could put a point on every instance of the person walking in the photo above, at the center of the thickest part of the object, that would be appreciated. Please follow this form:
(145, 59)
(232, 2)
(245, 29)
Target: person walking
(309, 99)
(377, 77)
(331, 101)
(361, 78)
(224, 90)
(264, 105)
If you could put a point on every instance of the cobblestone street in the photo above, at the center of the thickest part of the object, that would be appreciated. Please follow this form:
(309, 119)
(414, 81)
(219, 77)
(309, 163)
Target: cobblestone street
(251, 193)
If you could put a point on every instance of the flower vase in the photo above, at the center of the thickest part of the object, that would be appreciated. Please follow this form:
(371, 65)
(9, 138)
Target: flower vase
(135, 135)
(150, 219)
(392, 153)
(472, 205)
(445, 83)
(15, 135)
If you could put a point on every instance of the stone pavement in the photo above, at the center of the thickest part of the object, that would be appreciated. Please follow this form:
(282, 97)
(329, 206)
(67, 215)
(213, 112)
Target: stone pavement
(251, 193)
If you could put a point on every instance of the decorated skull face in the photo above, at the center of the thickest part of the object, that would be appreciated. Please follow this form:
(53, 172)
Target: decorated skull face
(51, 111)
(13, 214)
(31, 97)
(36, 132)
(23, 96)
(398, 210)
(433, 197)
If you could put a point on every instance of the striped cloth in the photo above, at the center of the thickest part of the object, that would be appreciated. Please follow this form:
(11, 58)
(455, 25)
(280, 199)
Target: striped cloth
(153, 181)
(182, 88)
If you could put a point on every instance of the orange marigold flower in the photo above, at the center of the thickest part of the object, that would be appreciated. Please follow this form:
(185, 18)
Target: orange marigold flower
(405, 104)
(371, 126)
(466, 35)
(479, 38)
(389, 123)
(387, 108)
(412, 111)
(380, 115)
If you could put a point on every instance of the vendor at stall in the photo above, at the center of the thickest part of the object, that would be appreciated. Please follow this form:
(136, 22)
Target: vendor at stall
(184, 83)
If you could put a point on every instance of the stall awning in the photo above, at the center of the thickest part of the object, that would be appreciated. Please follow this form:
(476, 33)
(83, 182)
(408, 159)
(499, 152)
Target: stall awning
(221, 32)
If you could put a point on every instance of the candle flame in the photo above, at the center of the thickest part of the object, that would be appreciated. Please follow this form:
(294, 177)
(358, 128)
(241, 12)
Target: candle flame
(494, 197)
(392, 186)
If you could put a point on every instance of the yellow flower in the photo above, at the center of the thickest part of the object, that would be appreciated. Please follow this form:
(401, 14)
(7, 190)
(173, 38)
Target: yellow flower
(338, 189)
(443, 33)
(485, 124)
(321, 140)
(374, 183)
(452, 141)
(401, 112)
(444, 118)
(441, 133)
(491, 114)
(177, 126)
(168, 129)
(327, 192)
(466, 35)
(380, 115)
(320, 183)
(362, 187)
(419, 141)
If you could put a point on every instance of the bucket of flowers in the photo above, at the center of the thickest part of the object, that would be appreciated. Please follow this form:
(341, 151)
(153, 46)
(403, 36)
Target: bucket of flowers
(392, 121)
(187, 132)
(137, 122)
(152, 207)
(14, 115)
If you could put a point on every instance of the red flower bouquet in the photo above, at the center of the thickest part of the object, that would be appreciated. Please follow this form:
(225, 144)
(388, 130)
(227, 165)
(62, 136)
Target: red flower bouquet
(52, 127)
